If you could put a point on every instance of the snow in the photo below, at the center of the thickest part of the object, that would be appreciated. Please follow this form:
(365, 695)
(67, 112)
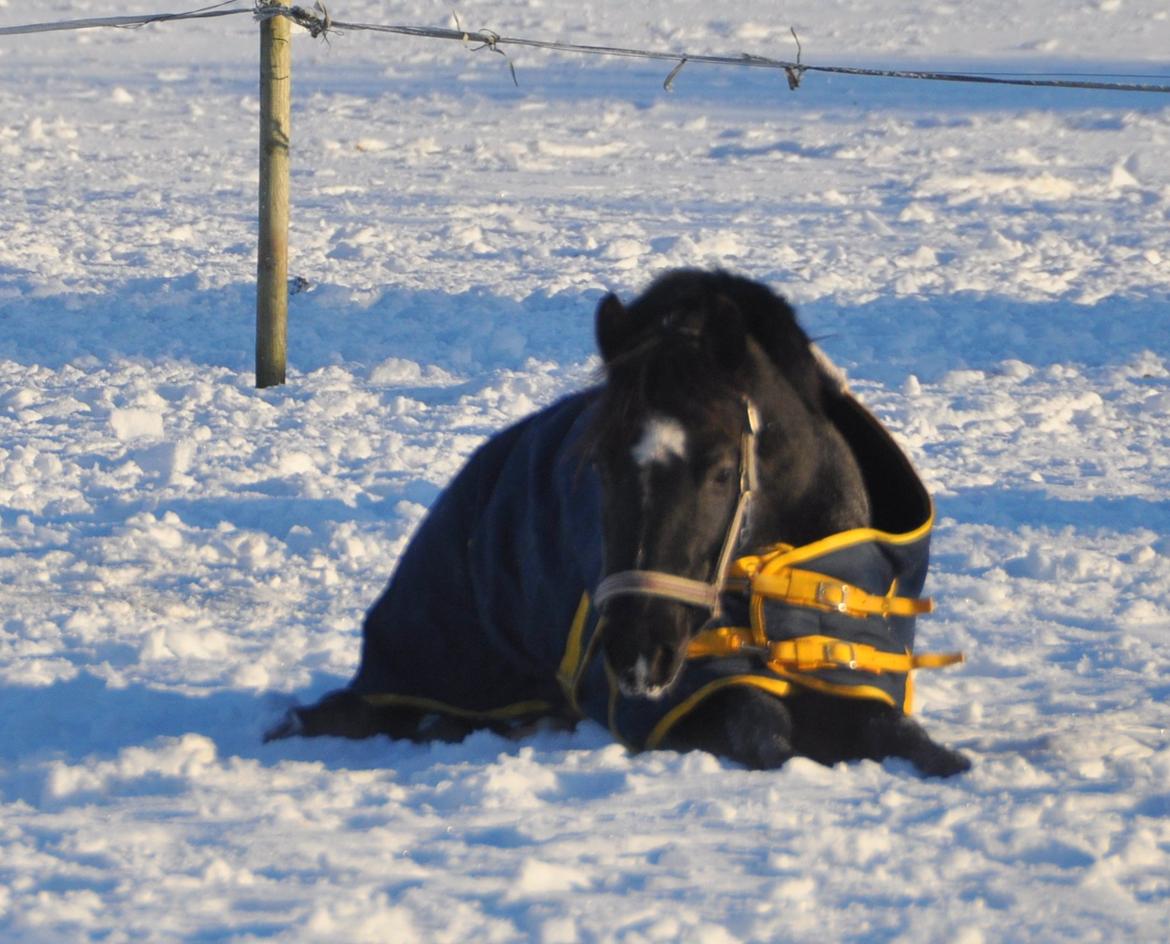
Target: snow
(183, 556)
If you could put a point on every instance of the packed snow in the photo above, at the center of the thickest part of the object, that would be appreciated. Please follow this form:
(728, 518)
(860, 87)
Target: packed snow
(183, 556)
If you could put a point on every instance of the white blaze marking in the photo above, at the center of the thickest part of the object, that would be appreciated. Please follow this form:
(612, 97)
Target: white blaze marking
(641, 673)
(663, 439)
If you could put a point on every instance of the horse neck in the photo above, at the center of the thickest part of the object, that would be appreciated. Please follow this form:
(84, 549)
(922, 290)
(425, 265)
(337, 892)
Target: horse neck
(811, 485)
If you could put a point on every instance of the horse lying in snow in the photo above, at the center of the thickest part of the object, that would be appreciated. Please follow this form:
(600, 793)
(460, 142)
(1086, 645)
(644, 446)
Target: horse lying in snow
(718, 548)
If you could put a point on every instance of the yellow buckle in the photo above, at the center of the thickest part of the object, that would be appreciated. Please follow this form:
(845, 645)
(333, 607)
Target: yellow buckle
(840, 604)
(842, 653)
(814, 654)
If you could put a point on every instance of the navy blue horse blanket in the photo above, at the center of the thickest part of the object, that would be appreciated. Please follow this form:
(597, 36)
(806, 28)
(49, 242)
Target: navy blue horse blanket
(475, 619)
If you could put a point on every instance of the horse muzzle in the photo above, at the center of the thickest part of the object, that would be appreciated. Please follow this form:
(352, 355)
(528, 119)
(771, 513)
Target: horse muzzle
(644, 642)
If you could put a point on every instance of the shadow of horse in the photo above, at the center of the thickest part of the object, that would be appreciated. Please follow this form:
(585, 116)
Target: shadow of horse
(44, 727)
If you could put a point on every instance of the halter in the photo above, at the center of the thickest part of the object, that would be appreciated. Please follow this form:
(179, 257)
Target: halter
(707, 595)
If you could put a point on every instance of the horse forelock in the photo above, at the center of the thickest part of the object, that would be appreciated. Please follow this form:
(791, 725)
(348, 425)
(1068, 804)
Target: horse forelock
(663, 376)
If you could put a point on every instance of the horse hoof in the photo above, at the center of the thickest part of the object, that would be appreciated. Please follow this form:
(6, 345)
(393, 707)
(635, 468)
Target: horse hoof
(288, 726)
(943, 763)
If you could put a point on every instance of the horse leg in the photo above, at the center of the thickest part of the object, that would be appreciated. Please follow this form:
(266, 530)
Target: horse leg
(890, 733)
(830, 729)
(740, 723)
(344, 713)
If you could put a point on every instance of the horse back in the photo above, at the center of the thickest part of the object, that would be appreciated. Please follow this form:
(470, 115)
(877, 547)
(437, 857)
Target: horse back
(474, 616)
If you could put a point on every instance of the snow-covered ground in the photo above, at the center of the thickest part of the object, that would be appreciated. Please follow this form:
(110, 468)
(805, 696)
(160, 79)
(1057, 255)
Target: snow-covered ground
(182, 556)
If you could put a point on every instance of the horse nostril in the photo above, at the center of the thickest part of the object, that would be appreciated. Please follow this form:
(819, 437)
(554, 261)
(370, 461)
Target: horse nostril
(652, 673)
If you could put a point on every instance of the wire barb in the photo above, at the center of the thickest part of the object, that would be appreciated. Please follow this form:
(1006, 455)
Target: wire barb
(488, 39)
(669, 83)
(316, 25)
(794, 71)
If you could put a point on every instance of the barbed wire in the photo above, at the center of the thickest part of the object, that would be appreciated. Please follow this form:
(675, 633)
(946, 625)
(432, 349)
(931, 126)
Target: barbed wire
(126, 22)
(321, 24)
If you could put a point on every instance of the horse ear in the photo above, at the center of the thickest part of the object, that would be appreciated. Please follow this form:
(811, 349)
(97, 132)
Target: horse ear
(613, 327)
(727, 332)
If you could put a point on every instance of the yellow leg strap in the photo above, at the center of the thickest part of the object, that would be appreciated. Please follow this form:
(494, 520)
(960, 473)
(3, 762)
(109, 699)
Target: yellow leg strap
(820, 592)
(810, 653)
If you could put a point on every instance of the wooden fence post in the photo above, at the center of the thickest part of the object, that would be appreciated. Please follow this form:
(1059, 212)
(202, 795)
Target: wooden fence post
(272, 249)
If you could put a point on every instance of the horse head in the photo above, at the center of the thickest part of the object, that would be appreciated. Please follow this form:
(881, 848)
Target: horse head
(708, 438)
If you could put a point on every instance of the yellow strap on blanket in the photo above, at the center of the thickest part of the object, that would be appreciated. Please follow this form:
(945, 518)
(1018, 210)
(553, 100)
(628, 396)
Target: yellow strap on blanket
(820, 592)
(810, 653)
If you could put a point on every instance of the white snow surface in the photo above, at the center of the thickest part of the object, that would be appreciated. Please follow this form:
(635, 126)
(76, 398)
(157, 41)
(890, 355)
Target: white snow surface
(183, 556)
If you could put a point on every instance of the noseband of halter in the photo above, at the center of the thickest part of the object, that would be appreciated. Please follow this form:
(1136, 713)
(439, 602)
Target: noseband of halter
(706, 595)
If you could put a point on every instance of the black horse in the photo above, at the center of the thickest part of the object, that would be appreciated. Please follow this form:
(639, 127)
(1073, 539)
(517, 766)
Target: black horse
(718, 548)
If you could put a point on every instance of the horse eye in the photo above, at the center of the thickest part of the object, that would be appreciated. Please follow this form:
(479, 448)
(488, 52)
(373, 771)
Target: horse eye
(723, 475)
